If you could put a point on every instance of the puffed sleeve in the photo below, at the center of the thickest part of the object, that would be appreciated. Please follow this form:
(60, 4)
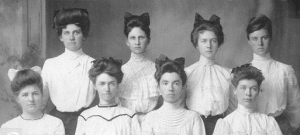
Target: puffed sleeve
(59, 129)
(293, 100)
(198, 128)
(80, 128)
(273, 128)
(222, 128)
(135, 126)
(146, 126)
(45, 76)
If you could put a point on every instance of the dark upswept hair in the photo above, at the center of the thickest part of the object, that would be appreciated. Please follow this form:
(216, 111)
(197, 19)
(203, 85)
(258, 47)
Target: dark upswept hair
(110, 66)
(164, 65)
(213, 24)
(77, 16)
(132, 21)
(259, 22)
(246, 71)
(25, 78)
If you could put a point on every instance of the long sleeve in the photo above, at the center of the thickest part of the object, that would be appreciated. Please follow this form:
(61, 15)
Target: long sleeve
(146, 127)
(45, 76)
(199, 128)
(80, 129)
(222, 128)
(135, 126)
(60, 129)
(293, 100)
(273, 128)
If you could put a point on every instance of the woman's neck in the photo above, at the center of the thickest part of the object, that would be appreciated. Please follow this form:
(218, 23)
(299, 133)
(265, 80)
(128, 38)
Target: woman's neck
(107, 103)
(32, 116)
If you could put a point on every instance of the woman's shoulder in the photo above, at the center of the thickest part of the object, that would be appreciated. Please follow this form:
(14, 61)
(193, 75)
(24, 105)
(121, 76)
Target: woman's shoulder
(52, 119)
(11, 123)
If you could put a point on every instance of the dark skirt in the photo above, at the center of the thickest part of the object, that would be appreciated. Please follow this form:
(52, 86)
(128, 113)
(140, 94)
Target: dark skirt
(284, 125)
(210, 123)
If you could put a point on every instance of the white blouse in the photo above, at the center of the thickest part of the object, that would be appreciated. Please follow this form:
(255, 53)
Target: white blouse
(279, 91)
(65, 78)
(138, 89)
(47, 125)
(244, 121)
(207, 87)
(113, 120)
(173, 120)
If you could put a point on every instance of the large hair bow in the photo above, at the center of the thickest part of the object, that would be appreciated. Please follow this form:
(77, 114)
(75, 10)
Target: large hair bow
(199, 20)
(13, 72)
(163, 59)
(145, 18)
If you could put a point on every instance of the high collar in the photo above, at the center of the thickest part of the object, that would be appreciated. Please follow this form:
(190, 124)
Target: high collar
(138, 57)
(205, 61)
(244, 110)
(267, 57)
(171, 106)
(73, 54)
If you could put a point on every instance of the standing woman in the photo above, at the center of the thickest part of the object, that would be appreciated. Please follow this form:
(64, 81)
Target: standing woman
(208, 83)
(138, 90)
(66, 76)
(280, 94)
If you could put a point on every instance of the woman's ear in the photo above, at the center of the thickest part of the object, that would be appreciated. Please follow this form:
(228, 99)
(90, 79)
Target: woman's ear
(233, 89)
(127, 43)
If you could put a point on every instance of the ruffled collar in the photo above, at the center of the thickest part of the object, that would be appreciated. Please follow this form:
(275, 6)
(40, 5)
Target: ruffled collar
(73, 54)
(244, 110)
(267, 57)
(205, 61)
(138, 57)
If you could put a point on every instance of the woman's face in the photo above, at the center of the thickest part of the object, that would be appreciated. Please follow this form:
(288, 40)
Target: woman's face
(30, 99)
(208, 44)
(247, 91)
(107, 88)
(260, 41)
(137, 40)
(170, 86)
(72, 37)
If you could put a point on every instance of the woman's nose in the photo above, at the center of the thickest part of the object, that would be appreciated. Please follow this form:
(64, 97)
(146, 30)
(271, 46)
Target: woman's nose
(71, 36)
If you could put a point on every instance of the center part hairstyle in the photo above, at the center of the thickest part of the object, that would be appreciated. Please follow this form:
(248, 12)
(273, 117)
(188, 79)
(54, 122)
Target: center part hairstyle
(24, 78)
(200, 25)
(259, 22)
(131, 21)
(246, 71)
(109, 66)
(164, 65)
(77, 16)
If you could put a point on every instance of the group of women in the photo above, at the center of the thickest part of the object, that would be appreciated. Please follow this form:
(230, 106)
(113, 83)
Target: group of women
(143, 97)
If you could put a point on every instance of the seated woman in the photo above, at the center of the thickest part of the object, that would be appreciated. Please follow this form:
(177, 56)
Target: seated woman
(27, 87)
(107, 118)
(172, 117)
(245, 120)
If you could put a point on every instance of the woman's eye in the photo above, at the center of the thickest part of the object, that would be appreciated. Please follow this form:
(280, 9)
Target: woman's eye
(265, 38)
(132, 38)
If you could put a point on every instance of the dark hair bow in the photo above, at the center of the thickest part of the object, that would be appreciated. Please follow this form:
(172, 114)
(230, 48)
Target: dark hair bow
(214, 19)
(145, 18)
(163, 59)
(241, 68)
